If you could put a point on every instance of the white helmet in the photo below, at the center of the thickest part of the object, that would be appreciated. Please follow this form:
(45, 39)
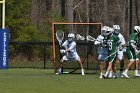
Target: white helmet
(104, 28)
(71, 35)
(116, 27)
(137, 28)
(109, 31)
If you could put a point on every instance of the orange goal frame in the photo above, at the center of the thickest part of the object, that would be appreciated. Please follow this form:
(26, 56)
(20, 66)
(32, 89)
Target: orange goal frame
(53, 37)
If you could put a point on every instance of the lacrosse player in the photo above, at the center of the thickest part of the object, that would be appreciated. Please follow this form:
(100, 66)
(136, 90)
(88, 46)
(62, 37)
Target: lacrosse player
(112, 45)
(120, 48)
(70, 52)
(132, 52)
(101, 41)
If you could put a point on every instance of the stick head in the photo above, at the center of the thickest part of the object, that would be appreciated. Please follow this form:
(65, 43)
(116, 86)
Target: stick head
(79, 37)
(137, 29)
(90, 38)
(59, 36)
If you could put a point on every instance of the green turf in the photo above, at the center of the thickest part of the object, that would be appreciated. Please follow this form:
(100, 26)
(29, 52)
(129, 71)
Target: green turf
(43, 81)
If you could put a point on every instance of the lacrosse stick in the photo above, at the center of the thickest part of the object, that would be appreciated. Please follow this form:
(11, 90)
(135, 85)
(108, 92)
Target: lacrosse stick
(90, 38)
(60, 36)
(111, 54)
(79, 37)
(137, 52)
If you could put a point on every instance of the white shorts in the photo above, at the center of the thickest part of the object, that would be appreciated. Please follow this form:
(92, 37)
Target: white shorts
(120, 55)
(66, 58)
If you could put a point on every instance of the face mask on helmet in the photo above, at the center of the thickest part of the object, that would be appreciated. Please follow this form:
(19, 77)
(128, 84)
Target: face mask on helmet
(107, 33)
(137, 29)
(70, 39)
(116, 31)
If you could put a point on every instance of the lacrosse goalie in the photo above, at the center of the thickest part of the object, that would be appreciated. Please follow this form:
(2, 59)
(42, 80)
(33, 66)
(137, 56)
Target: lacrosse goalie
(133, 52)
(101, 42)
(70, 53)
(120, 48)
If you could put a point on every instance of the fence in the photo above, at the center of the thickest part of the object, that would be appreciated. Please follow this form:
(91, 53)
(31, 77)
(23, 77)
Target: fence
(39, 55)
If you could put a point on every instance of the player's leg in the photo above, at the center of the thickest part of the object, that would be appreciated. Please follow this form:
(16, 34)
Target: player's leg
(101, 67)
(114, 71)
(61, 64)
(136, 68)
(81, 65)
(109, 68)
(125, 73)
(121, 59)
(60, 67)
(101, 57)
(131, 61)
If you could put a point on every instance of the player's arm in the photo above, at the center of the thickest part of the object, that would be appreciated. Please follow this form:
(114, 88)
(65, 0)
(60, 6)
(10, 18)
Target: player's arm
(71, 47)
(122, 40)
(98, 40)
(134, 46)
(63, 47)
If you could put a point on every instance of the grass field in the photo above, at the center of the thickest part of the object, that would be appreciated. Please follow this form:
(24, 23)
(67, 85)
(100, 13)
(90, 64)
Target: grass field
(43, 81)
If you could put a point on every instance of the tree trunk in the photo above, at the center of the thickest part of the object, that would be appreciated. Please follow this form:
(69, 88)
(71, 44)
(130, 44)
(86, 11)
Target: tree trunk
(63, 8)
(34, 12)
(105, 12)
(69, 14)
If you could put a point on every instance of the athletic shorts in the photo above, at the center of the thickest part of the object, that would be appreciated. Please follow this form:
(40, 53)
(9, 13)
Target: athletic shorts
(120, 55)
(66, 58)
(101, 57)
(131, 54)
(112, 58)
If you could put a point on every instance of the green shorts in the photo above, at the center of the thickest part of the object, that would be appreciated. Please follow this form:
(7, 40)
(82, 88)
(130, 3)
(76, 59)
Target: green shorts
(112, 58)
(131, 54)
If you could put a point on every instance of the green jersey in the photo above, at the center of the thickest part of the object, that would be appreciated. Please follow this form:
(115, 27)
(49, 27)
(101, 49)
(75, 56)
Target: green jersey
(133, 39)
(112, 44)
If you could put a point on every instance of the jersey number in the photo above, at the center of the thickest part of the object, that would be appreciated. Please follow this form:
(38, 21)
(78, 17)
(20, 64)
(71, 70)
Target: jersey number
(110, 45)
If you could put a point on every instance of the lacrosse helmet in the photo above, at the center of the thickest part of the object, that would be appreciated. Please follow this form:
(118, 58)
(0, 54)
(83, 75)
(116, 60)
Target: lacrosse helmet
(108, 31)
(137, 29)
(71, 37)
(116, 29)
(103, 29)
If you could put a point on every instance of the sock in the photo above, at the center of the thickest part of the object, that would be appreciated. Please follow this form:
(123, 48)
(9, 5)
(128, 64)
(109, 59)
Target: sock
(110, 73)
(115, 74)
(107, 72)
(136, 71)
(126, 71)
(59, 69)
(101, 73)
(82, 70)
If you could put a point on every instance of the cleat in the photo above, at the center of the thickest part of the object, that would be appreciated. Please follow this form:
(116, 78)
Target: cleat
(110, 76)
(124, 74)
(59, 72)
(137, 75)
(82, 70)
(121, 74)
(83, 74)
(104, 77)
(100, 77)
(115, 76)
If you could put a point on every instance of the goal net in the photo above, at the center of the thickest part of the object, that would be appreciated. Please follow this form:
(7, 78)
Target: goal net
(86, 49)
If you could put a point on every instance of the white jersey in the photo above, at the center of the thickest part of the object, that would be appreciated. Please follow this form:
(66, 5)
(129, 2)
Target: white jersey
(100, 38)
(72, 54)
(122, 42)
(101, 49)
